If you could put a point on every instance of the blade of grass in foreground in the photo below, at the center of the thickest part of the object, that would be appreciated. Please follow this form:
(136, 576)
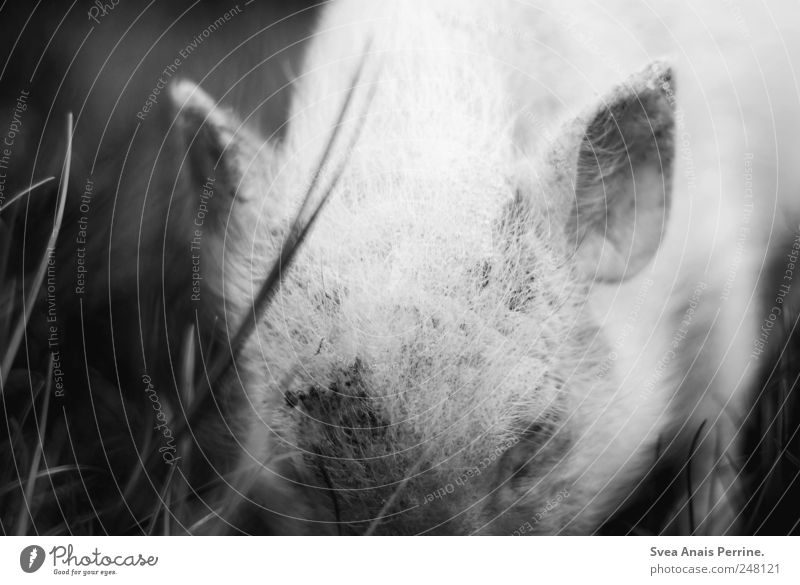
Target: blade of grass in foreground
(26, 512)
(28, 303)
(21, 194)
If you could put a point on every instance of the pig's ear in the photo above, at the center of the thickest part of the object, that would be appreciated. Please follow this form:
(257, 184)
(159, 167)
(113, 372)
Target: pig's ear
(224, 197)
(216, 145)
(622, 153)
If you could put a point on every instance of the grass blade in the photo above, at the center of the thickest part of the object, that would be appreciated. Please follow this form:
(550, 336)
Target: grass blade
(22, 323)
(24, 192)
(25, 513)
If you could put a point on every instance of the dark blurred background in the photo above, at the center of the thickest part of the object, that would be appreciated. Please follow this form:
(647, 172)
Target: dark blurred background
(102, 68)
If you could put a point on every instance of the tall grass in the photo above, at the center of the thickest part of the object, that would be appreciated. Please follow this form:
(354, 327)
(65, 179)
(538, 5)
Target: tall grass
(26, 442)
(771, 467)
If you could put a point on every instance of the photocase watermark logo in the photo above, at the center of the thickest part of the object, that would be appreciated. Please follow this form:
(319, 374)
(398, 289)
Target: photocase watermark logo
(101, 9)
(31, 558)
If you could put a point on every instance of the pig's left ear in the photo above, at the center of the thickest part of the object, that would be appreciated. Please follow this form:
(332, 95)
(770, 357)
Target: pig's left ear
(622, 152)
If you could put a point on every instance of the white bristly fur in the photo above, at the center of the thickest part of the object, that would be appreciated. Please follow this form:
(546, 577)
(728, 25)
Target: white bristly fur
(388, 296)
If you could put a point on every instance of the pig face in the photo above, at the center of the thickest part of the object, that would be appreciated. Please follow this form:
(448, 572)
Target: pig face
(429, 361)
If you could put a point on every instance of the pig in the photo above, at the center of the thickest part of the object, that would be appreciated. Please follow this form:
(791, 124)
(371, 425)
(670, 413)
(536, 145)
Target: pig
(528, 285)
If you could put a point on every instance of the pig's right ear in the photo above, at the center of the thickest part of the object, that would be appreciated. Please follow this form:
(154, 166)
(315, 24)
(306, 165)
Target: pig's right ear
(619, 157)
(224, 197)
(218, 149)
